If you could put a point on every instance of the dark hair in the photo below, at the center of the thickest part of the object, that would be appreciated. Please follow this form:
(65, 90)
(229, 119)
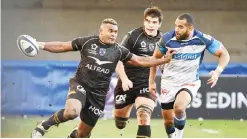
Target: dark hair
(154, 12)
(109, 21)
(187, 17)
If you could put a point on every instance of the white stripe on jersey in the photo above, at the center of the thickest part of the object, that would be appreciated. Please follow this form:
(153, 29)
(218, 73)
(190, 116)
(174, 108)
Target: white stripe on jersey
(191, 49)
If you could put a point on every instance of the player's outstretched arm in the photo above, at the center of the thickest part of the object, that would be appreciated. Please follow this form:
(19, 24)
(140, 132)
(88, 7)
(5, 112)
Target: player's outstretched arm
(126, 83)
(56, 47)
(153, 69)
(152, 74)
(59, 47)
(149, 61)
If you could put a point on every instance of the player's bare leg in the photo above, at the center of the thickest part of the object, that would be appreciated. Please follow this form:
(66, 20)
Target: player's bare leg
(182, 100)
(71, 111)
(144, 109)
(122, 115)
(81, 131)
(84, 130)
(168, 118)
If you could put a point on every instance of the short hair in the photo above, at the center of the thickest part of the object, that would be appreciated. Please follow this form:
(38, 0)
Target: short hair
(189, 19)
(109, 21)
(154, 12)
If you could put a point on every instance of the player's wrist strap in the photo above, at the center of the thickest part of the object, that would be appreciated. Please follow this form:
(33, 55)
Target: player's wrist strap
(220, 69)
(41, 45)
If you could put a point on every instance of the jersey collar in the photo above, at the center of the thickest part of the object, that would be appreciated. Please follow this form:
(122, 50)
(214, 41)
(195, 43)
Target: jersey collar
(158, 33)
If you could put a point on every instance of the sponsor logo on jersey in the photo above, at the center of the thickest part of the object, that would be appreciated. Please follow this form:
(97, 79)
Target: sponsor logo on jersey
(120, 99)
(143, 47)
(194, 47)
(94, 46)
(102, 51)
(95, 110)
(184, 43)
(144, 90)
(97, 69)
(99, 62)
(151, 47)
(164, 91)
(79, 88)
(143, 44)
(93, 49)
(186, 56)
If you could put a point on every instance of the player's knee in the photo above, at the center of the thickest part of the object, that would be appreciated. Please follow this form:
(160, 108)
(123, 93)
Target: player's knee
(179, 110)
(144, 118)
(144, 113)
(121, 122)
(71, 113)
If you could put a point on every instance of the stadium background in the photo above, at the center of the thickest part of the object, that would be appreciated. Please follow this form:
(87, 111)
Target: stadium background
(33, 88)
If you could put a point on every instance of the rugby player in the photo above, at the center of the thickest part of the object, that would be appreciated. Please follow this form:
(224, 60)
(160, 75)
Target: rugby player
(99, 57)
(180, 79)
(140, 41)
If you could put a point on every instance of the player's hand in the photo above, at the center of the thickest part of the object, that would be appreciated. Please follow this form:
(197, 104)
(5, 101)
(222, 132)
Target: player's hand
(152, 90)
(40, 44)
(169, 54)
(214, 78)
(127, 84)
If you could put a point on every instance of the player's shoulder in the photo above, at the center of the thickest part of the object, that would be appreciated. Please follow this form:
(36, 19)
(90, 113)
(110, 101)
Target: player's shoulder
(134, 33)
(92, 37)
(160, 33)
(168, 35)
(119, 46)
(88, 38)
(203, 36)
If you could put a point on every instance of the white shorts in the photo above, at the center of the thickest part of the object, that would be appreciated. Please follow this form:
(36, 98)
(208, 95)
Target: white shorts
(169, 92)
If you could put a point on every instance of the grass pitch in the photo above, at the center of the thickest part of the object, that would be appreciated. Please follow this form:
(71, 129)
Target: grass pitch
(21, 127)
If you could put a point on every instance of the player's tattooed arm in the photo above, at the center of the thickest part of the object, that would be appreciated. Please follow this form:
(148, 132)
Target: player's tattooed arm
(56, 47)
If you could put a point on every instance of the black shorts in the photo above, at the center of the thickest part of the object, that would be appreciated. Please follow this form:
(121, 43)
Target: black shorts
(122, 99)
(92, 103)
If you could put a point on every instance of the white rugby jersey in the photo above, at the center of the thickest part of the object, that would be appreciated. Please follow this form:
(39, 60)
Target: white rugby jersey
(184, 65)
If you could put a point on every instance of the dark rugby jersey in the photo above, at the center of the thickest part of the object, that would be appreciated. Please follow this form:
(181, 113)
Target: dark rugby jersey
(139, 43)
(98, 62)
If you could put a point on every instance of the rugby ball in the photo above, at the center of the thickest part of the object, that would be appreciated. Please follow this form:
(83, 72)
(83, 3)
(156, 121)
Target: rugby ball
(28, 45)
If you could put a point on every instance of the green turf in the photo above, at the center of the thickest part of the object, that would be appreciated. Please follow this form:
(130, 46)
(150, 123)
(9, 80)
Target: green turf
(19, 127)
